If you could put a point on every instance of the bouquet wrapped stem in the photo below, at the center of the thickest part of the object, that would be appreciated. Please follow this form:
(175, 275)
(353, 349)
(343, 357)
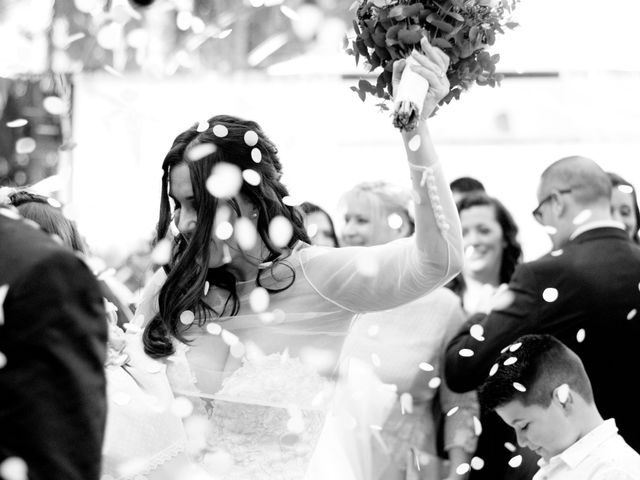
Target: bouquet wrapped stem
(409, 99)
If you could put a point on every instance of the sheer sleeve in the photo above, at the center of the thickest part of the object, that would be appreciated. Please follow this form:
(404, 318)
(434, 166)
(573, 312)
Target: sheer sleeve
(148, 305)
(384, 276)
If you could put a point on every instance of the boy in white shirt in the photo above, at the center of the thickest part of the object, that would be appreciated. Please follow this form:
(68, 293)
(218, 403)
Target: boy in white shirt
(539, 387)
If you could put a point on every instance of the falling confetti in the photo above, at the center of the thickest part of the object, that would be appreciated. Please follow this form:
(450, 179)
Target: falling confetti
(280, 231)
(477, 332)
(291, 201)
(182, 407)
(25, 145)
(550, 295)
(54, 203)
(55, 105)
(510, 360)
(394, 221)
(198, 152)
(465, 352)
(224, 230)
(373, 331)
(630, 315)
(187, 317)
(477, 425)
(580, 336)
(259, 299)
(426, 367)
(203, 126)
(625, 188)
(3, 360)
(477, 463)
(161, 253)
(463, 469)
(367, 264)
(514, 347)
(220, 131)
(503, 298)
(519, 387)
(434, 382)
(206, 288)
(214, 328)
(550, 230)
(494, 369)
(516, 461)
(414, 143)
(251, 177)
(17, 123)
(225, 180)
(251, 138)
(256, 155)
(557, 253)
(452, 411)
(406, 403)
(229, 338)
(582, 217)
(13, 468)
(246, 234)
(510, 446)
(237, 350)
(563, 393)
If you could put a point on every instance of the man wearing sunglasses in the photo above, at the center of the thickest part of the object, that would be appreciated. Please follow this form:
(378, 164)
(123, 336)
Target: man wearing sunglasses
(585, 292)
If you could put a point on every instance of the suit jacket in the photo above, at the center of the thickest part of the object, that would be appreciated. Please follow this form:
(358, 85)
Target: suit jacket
(52, 388)
(596, 276)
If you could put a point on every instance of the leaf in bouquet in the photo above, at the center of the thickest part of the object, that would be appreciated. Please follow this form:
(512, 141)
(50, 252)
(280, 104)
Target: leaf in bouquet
(360, 93)
(512, 25)
(436, 21)
(366, 86)
(491, 36)
(370, 23)
(412, 10)
(375, 61)
(366, 37)
(356, 28)
(345, 42)
(379, 39)
(362, 48)
(473, 33)
(382, 53)
(388, 76)
(440, 43)
(380, 84)
(397, 13)
(409, 37)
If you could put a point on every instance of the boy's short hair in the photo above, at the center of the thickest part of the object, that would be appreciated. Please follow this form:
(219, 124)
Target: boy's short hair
(537, 364)
(467, 185)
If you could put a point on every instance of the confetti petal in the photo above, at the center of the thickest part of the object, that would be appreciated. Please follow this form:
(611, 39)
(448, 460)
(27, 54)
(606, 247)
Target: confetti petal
(557, 253)
(206, 288)
(214, 328)
(630, 315)
(251, 138)
(494, 369)
(187, 317)
(55, 105)
(373, 330)
(625, 188)
(25, 145)
(237, 350)
(510, 446)
(251, 177)
(3, 360)
(224, 230)
(246, 234)
(220, 131)
(426, 367)
(519, 387)
(453, 411)
(510, 361)
(477, 332)
(406, 403)
(198, 152)
(550, 295)
(563, 393)
(514, 347)
(203, 126)
(17, 123)
(580, 336)
(463, 469)
(13, 468)
(229, 338)
(394, 221)
(161, 253)
(225, 180)
(477, 425)
(477, 463)
(259, 299)
(465, 352)
(582, 217)
(414, 143)
(435, 382)
(550, 230)
(280, 231)
(4, 289)
(256, 155)
(516, 461)
(291, 201)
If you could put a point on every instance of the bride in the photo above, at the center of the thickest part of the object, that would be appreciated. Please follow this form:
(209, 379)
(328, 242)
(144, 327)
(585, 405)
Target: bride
(243, 327)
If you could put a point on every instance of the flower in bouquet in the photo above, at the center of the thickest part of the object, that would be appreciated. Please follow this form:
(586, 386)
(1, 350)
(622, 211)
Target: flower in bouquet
(388, 30)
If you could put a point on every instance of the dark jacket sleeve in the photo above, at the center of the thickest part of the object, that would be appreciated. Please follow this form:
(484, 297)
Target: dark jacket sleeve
(501, 328)
(52, 400)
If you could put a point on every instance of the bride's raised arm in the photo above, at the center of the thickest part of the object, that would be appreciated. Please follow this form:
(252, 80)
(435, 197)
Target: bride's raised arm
(384, 276)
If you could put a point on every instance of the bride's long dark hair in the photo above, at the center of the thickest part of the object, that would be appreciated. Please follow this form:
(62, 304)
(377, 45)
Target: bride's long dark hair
(187, 271)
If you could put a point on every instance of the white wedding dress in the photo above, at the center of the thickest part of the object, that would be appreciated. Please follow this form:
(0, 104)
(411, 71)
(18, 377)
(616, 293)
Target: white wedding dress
(262, 395)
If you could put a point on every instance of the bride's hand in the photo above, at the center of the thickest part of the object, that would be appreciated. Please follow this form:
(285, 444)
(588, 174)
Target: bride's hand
(432, 65)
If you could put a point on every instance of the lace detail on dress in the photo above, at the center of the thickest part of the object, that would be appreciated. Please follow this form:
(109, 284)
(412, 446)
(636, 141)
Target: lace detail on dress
(268, 417)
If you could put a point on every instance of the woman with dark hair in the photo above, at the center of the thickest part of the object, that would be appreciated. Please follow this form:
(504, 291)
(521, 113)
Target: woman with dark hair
(319, 225)
(249, 319)
(491, 248)
(492, 251)
(624, 205)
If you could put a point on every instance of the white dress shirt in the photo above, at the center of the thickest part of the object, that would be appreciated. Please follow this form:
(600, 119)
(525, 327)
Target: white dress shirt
(602, 454)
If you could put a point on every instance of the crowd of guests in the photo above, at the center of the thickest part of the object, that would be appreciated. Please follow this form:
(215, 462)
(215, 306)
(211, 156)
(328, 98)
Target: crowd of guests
(501, 369)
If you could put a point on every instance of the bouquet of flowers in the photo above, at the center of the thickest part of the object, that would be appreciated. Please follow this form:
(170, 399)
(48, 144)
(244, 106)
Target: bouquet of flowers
(388, 30)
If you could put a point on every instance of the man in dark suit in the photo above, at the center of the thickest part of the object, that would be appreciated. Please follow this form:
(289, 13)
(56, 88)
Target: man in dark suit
(53, 335)
(585, 293)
